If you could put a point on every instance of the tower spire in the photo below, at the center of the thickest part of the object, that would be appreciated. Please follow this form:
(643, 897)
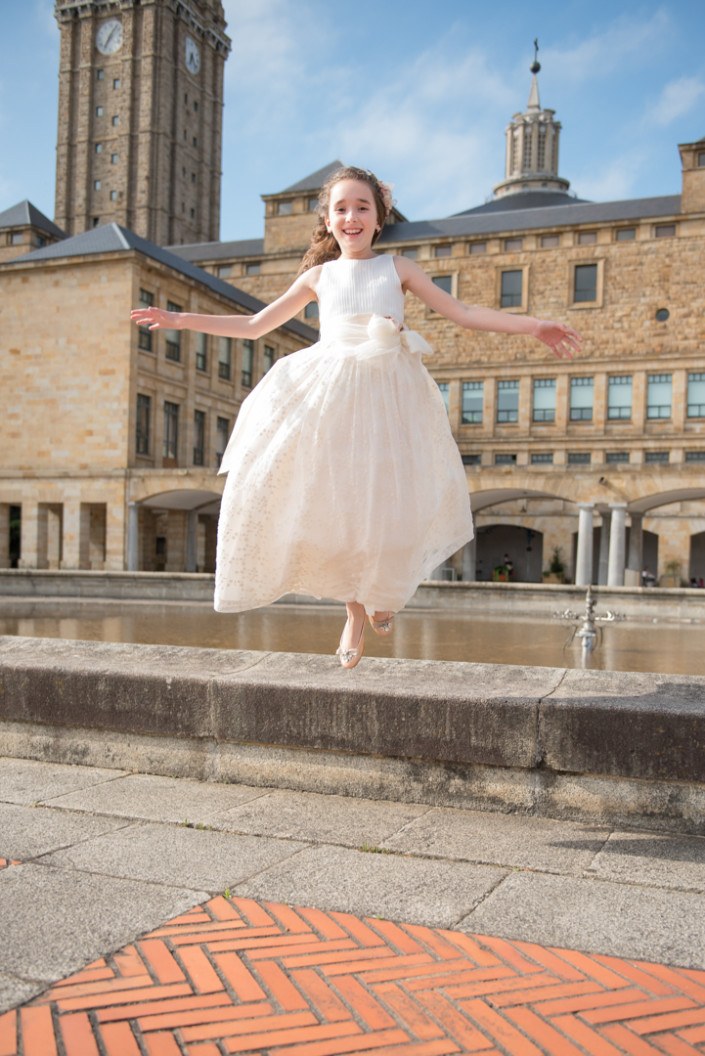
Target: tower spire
(532, 146)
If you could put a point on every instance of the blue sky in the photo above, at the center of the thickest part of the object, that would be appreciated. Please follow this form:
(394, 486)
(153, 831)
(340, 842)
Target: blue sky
(418, 90)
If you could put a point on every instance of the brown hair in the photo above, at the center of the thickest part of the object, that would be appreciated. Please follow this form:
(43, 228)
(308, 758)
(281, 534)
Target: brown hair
(323, 245)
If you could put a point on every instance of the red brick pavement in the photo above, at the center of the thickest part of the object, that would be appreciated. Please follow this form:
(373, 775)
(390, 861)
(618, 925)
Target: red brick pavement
(239, 976)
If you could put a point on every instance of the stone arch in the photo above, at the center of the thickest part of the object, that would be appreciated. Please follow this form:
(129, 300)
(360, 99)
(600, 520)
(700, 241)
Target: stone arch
(173, 531)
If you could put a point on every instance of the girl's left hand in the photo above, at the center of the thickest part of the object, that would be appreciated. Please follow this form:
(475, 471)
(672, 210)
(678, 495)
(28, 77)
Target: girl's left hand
(560, 338)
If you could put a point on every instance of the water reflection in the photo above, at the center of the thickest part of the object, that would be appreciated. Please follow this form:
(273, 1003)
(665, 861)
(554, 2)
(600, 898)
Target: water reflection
(419, 634)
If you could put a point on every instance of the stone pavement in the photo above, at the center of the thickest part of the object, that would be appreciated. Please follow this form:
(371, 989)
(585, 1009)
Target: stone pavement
(162, 916)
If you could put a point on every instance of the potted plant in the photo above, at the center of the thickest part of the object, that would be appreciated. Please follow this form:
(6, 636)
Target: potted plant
(555, 573)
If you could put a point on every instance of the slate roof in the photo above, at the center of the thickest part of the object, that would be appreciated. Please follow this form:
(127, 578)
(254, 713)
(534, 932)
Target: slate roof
(523, 200)
(244, 247)
(25, 214)
(112, 238)
(492, 223)
(315, 180)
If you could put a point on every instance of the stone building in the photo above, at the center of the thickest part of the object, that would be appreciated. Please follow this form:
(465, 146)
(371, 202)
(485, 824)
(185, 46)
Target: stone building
(109, 447)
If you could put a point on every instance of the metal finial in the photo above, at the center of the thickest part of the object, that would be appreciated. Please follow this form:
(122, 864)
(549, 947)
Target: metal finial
(535, 65)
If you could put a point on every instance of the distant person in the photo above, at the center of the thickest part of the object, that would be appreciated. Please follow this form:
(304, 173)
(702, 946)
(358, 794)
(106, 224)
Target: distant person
(344, 479)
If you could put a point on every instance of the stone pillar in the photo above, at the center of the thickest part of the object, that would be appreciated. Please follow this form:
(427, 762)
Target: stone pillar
(192, 541)
(29, 535)
(133, 549)
(583, 562)
(604, 548)
(635, 559)
(469, 560)
(618, 535)
(71, 546)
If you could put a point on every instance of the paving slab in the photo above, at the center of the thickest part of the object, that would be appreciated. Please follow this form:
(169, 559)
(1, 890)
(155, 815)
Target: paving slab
(386, 885)
(653, 859)
(27, 832)
(155, 798)
(321, 818)
(176, 855)
(501, 839)
(15, 991)
(54, 921)
(30, 781)
(596, 916)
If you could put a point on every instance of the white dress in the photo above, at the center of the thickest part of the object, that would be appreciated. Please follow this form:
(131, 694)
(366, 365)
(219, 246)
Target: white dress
(344, 480)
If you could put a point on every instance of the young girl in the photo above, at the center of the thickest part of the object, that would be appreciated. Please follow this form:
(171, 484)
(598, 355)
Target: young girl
(344, 480)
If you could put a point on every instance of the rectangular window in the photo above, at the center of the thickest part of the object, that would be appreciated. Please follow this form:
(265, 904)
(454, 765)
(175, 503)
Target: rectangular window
(542, 458)
(115, 120)
(612, 458)
(444, 282)
(285, 208)
(505, 460)
(199, 438)
(544, 400)
(619, 396)
(311, 310)
(253, 268)
(114, 159)
(99, 111)
(578, 458)
(313, 205)
(584, 283)
(473, 392)
(442, 251)
(587, 238)
(658, 396)
(472, 460)
(145, 337)
(170, 448)
(651, 457)
(664, 230)
(222, 431)
(550, 241)
(513, 245)
(511, 289)
(701, 159)
(100, 75)
(248, 359)
(225, 358)
(268, 357)
(696, 395)
(507, 401)
(173, 337)
(581, 392)
(116, 83)
(695, 456)
(412, 252)
(477, 247)
(444, 389)
(625, 234)
(144, 424)
(96, 185)
(201, 343)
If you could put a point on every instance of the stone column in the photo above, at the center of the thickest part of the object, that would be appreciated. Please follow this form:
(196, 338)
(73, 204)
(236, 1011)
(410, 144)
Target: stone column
(133, 550)
(583, 562)
(603, 563)
(618, 535)
(192, 541)
(29, 545)
(71, 548)
(469, 560)
(635, 559)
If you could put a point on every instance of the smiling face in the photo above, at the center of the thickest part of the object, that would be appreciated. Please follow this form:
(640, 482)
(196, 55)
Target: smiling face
(352, 217)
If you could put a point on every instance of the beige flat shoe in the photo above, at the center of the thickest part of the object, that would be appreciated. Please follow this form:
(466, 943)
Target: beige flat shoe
(350, 658)
(383, 626)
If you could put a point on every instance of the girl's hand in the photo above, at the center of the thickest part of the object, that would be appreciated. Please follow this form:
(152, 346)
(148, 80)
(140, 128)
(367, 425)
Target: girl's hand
(560, 338)
(155, 318)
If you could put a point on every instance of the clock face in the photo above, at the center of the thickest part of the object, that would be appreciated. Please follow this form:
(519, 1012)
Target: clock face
(192, 56)
(108, 39)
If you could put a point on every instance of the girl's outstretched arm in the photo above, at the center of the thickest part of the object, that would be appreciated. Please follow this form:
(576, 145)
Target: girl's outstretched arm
(560, 338)
(299, 294)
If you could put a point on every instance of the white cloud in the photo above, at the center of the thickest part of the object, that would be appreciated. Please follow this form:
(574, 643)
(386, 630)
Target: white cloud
(613, 182)
(676, 99)
(625, 41)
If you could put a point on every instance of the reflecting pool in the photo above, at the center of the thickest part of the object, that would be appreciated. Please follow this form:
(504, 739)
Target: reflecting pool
(666, 647)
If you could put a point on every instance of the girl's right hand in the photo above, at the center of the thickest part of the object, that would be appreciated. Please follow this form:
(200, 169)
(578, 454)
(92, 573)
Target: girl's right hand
(155, 318)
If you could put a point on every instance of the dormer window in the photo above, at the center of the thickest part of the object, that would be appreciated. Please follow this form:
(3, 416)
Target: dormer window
(285, 208)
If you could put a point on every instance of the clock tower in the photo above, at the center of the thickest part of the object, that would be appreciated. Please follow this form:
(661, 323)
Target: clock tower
(140, 117)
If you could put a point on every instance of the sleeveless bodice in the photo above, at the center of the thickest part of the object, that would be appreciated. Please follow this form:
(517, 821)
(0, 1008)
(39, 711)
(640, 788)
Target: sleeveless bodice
(359, 287)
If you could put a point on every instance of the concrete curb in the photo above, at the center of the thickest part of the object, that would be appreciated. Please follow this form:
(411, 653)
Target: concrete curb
(570, 743)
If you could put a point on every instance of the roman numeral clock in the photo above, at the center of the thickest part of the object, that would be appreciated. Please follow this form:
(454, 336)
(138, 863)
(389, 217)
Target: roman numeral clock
(140, 117)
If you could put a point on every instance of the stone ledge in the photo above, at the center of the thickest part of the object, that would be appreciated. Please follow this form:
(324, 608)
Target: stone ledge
(532, 725)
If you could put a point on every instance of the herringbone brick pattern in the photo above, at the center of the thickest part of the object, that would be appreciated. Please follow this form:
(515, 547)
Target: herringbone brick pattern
(239, 976)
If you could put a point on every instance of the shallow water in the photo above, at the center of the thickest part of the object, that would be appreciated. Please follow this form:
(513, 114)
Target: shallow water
(676, 648)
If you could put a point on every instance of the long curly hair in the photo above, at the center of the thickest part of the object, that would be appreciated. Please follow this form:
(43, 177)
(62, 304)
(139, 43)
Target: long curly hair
(323, 245)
